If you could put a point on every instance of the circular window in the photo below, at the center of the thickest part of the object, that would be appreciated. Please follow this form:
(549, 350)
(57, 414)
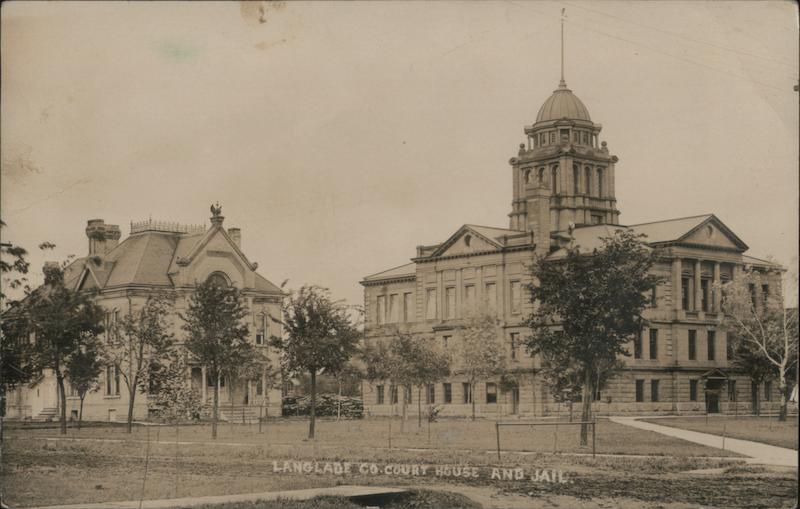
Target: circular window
(218, 279)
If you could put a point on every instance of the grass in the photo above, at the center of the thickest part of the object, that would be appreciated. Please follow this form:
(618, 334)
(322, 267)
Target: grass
(413, 499)
(105, 464)
(767, 430)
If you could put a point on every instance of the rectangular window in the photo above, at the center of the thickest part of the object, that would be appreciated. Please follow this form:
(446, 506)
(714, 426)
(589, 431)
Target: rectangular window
(109, 380)
(654, 391)
(407, 394)
(764, 295)
(704, 290)
(392, 394)
(408, 307)
(491, 393)
(637, 346)
(430, 303)
(448, 393)
(692, 390)
(729, 353)
(712, 345)
(469, 298)
(394, 308)
(446, 342)
(467, 392)
(654, 343)
(576, 137)
(767, 391)
(514, 344)
(259, 387)
(692, 345)
(639, 391)
(381, 310)
(732, 390)
(654, 296)
(490, 296)
(259, 338)
(431, 394)
(552, 138)
(379, 392)
(450, 303)
(516, 297)
(685, 293)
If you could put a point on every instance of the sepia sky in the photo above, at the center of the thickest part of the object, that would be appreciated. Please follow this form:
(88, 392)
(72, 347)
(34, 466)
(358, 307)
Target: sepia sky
(339, 136)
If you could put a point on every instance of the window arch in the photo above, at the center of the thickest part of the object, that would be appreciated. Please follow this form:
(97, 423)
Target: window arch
(576, 179)
(587, 184)
(218, 279)
(600, 182)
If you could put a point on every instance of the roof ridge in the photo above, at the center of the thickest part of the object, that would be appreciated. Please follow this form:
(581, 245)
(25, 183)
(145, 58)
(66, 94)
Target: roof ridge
(673, 219)
(393, 268)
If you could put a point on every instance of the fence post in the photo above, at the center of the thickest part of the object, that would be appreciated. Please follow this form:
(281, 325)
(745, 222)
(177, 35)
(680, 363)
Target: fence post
(497, 430)
(594, 437)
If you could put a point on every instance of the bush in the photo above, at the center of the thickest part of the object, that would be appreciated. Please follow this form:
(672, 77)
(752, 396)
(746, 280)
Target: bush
(327, 405)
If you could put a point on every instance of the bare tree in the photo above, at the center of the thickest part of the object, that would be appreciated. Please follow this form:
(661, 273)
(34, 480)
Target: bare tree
(758, 320)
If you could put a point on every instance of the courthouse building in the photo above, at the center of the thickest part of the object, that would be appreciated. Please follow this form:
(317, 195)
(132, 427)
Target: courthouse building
(159, 256)
(563, 188)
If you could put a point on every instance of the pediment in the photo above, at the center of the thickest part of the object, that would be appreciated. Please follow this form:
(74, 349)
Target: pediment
(465, 241)
(713, 232)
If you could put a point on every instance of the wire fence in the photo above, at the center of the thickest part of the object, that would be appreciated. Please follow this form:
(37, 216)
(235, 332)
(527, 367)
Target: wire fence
(593, 424)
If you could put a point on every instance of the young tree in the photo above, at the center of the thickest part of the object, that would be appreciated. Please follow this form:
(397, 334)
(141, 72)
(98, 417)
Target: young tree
(482, 353)
(319, 335)
(83, 370)
(428, 366)
(216, 334)
(140, 343)
(590, 305)
(750, 360)
(64, 323)
(759, 322)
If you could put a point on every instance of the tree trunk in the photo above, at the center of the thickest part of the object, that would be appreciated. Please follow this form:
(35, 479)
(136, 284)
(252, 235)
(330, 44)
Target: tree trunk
(80, 412)
(784, 402)
(339, 403)
(419, 406)
(131, 397)
(215, 408)
(313, 404)
(472, 398)
(405, 404)
(586, 410)
(63, 397)
(570, 409)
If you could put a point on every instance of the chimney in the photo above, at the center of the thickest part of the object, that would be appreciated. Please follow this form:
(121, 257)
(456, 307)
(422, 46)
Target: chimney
(236, 236)
(52, 272)
(102, 237)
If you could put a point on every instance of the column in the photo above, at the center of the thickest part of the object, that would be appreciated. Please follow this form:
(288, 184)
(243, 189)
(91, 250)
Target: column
(698, 289)
(717, 304)
(676, 284)
(204, 384)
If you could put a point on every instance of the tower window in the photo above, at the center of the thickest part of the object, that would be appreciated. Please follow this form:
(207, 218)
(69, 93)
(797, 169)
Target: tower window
(585, 138)
(576, 179)
(576, 137)
(541, 176)
(544, 139)
(564, 135)
(587, 185)
(600, 182)
(554, 179)
(552, 138)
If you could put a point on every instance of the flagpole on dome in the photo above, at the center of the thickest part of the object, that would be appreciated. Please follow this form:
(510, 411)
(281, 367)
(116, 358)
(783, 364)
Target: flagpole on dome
(563, 83)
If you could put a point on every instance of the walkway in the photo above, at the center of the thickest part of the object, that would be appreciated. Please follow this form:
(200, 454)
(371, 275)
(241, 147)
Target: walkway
(171, 503)
(762, 454)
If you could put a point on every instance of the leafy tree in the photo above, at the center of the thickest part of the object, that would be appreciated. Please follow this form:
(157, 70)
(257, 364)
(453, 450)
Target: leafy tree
(763, 328)
(139, 345)
(169, 394)
(428, 366)
(589, 307)
(481, 354)
(65, 323)
(83, 371)
(216, 334)
(349, 372)
(319, 335)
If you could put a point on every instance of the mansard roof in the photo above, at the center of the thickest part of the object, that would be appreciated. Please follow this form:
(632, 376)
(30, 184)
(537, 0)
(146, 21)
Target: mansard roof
(149, 258)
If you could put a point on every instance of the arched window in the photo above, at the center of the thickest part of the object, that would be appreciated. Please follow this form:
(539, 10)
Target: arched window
(554, 179)
(576, 179)
(535, 141)
(600, 182)
(587, 178)
(218, 279)
(541, 176)
(527, 176)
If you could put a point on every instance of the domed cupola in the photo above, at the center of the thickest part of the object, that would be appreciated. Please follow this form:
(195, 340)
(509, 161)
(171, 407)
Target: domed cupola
(563, 104)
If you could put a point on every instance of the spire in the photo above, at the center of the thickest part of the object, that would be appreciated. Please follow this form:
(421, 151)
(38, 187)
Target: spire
(562, 83)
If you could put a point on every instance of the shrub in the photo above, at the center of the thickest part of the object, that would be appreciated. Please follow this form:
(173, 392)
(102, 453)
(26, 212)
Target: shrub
(327, 405)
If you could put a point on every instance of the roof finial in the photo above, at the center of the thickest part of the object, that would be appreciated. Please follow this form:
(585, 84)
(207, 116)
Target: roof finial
(562, 84)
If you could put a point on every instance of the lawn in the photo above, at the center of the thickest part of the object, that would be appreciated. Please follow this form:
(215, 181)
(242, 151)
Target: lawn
(768, 430)
(104, 463)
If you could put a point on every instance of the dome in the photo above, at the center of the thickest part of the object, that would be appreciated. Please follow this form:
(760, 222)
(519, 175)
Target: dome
(563, 104)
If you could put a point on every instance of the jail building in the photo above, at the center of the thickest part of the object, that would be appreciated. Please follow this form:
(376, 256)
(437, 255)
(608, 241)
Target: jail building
(562, 183)
(162, 256)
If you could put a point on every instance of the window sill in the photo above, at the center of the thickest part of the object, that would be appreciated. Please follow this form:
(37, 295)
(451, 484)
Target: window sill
(112, 397)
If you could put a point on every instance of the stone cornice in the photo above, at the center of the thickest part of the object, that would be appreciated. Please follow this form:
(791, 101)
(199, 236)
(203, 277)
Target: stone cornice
(509, 249)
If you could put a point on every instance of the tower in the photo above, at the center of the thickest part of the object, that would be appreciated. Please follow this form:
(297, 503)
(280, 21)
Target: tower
(563, 175)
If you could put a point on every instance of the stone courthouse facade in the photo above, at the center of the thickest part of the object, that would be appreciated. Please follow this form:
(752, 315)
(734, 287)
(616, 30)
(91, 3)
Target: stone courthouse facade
(159, 256)
(562, 180)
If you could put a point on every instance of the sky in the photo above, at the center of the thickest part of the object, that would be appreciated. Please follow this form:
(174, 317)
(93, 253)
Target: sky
(339, 136)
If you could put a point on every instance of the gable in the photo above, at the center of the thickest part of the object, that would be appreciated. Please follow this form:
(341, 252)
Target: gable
(713, 233)
(465, 241)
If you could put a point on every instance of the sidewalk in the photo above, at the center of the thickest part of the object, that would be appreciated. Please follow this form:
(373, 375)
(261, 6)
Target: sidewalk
(758, 453)
(171, 503)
